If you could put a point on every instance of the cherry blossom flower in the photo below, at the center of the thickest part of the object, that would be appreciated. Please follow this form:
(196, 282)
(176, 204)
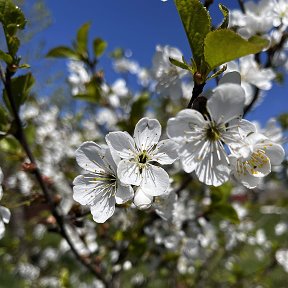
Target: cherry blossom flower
(252, 74)
(254, 159)
(78, 76)
(280, 12)
(138, 156)
(258, 18)
(202, 137)
(99, 187)
(168, 76)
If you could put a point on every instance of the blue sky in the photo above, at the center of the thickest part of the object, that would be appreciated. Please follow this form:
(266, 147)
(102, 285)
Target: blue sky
(139, 25)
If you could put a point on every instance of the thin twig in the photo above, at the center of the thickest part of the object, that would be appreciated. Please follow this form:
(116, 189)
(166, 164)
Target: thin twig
(242, 7)
(20, 136)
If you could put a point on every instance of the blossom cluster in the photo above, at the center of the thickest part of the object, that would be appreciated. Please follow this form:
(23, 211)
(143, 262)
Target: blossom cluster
(216, 145)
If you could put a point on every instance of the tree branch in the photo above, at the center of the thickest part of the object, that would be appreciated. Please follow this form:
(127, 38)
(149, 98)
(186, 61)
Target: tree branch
(20, 136)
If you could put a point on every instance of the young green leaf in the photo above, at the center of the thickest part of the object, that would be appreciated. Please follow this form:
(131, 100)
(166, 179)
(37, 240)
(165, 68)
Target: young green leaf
(225, 13)
(92, 93)
(224, 45)
(6, 57)
(82, 39)
(20, 89)
(63, 52)
(4, 122)
(11, 15)
(197, 23)
(179, 64)
(99, 46)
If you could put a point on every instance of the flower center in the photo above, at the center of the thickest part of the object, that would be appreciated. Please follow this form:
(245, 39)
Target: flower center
(212, 133)
(143, 157)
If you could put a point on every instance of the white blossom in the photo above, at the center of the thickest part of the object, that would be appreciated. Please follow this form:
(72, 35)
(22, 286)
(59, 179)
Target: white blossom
(99, 187)
(167, 75)
(252, 74)
(255, 158)
(78, 76)
(138, 154)
(201, 137)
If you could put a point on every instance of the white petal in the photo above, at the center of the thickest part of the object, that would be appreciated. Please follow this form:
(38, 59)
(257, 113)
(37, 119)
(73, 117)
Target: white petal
(189, 155)
(1, 176)
(142, 200)
(128, 172)
(147, 133)
(122, 143)
(89, 156)
(231, 77)
(2, 229)
(246, 127)
(85, 192)
(165, 152)
(214, 168)
(226, 103)
(155, 180)
(103, 209)
(184, 121)
(5, 214)
(275, 152)
(123, 193)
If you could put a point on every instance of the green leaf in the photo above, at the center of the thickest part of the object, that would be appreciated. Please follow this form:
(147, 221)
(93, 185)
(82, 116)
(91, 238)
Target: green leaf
(92, 93)
(82, 39)
(13, 44)
(5, 122)
(179, 64)
(224, 45)
(24, 66)
(6, 57)
(99, 46)
(63, 52)
(225, 13)
(197, 23)
(20, 89)
(11, 17)
(227, 212)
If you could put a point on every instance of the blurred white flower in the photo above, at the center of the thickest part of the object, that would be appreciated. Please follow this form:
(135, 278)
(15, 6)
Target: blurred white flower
(78, 76)
(252, 74)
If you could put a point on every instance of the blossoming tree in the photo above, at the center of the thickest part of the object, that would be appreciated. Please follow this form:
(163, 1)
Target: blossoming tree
(176, 187)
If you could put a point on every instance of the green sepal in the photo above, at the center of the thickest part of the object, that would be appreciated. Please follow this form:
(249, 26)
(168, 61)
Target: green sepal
(99, 46)
(63, 52)
(224, 45)
(218, 73)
